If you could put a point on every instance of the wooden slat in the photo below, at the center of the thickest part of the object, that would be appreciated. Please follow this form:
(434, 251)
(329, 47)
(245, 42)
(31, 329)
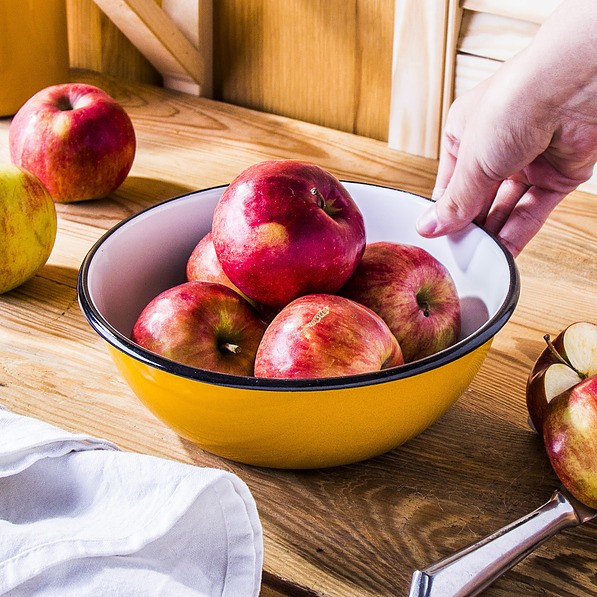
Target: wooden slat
(493, 36)
(419, 56)
(472, 70)
(159, 39)
(535, 11)
(455, 15)
(95, 43)
(195, 20)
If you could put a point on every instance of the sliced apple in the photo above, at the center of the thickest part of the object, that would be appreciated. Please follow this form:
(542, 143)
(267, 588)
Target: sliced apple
(567, 360)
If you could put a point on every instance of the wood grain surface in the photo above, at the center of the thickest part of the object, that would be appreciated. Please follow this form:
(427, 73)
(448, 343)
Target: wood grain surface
(350, 531)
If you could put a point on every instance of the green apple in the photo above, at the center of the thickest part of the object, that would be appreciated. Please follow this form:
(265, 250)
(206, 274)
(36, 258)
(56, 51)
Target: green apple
(27, 226)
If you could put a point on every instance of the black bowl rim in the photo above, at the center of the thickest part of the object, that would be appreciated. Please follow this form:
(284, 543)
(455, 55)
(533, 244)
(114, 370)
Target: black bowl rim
(124, 344)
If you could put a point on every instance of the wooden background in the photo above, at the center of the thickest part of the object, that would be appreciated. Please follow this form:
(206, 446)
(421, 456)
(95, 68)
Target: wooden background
(385, 69)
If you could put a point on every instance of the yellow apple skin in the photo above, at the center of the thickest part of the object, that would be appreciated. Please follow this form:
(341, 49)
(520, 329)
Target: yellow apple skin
(27, 226)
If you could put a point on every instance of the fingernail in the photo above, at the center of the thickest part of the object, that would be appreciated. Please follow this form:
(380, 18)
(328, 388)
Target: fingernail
(427, 223)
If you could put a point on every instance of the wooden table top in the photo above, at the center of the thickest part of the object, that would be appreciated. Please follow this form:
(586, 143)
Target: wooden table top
(358, 530)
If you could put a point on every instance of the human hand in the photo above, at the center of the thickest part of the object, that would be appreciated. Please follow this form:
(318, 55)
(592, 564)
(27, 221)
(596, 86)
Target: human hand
(517, 144)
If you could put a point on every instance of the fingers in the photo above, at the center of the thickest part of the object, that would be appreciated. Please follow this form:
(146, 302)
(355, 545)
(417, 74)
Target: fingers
(508, 195)
(469, 193)
(526, 217)
(447, 163)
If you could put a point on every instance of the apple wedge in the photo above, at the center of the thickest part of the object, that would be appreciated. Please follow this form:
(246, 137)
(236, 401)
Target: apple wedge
(565, 362)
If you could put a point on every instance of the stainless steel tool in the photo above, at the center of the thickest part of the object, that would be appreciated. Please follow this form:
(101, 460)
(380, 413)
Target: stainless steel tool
(473, 569)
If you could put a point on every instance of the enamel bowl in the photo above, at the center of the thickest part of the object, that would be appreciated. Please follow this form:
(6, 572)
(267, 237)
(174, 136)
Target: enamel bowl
(292, 423)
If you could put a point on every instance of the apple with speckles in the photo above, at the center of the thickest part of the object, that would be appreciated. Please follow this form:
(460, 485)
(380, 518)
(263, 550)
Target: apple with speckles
(201, 324)
(412, 292)
(76, 139)
(570, 437)
(27, 226)
(321, 335)
(287, 228)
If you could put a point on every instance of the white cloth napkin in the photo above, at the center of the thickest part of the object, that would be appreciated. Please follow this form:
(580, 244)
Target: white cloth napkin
(80, 517)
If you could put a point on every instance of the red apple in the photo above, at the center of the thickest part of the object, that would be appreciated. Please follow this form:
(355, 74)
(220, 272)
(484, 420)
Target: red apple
(570, 437)
(204, 325)
(203, 265)
(564, 362)
(412, 292)
(76, 139)
(27, 226)
(322, 335)
(286, 228)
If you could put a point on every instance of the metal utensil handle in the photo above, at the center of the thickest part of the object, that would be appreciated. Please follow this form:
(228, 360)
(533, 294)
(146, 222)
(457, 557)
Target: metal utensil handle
(474, 568)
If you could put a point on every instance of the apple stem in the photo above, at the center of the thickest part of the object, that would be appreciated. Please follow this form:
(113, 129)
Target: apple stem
(560, 358)
(233, 348)
(320, 200)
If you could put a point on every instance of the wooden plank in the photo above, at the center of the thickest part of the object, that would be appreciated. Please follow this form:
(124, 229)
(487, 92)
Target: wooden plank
(95, 43)
(472, 70)
(194, 18)
(455, 14)
(322, 61)
(535, 11)
(493, 36)
(158, 38)
(419, 55)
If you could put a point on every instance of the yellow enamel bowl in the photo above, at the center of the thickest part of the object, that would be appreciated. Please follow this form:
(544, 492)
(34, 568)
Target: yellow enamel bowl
(292, 423)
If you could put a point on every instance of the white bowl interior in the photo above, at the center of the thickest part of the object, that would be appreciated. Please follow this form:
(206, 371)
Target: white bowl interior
(147, 253)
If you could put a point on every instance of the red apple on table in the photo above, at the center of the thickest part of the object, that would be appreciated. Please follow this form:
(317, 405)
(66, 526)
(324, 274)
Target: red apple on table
(76, 139)
(323, 335)
(412, 292)
(287, 228)
(565, 361)
(204, 325)
(570, 437)
(27, 226)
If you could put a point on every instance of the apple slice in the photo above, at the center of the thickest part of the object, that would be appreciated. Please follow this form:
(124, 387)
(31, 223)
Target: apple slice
(565, 362)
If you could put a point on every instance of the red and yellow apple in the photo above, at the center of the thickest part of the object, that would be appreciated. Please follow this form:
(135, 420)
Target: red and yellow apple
(76, 139)
(286, 228)
(27, 226)
(412, 292)
(570, 438)
(324, 335)
(203, 265)
(202, 324)
(564, 362)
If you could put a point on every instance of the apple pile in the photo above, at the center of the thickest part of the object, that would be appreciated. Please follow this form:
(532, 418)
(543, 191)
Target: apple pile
(285, 286)
(562, 403)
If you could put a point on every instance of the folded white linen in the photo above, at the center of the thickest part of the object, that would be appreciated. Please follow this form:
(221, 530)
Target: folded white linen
(80, 517)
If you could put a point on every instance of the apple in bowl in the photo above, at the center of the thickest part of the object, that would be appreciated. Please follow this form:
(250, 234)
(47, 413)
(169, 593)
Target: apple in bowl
(322, 335)
(286, 228)
(202, 324)
(413, 292)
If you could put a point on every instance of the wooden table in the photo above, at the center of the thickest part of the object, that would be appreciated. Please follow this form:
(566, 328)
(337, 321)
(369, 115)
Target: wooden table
(353, 530)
